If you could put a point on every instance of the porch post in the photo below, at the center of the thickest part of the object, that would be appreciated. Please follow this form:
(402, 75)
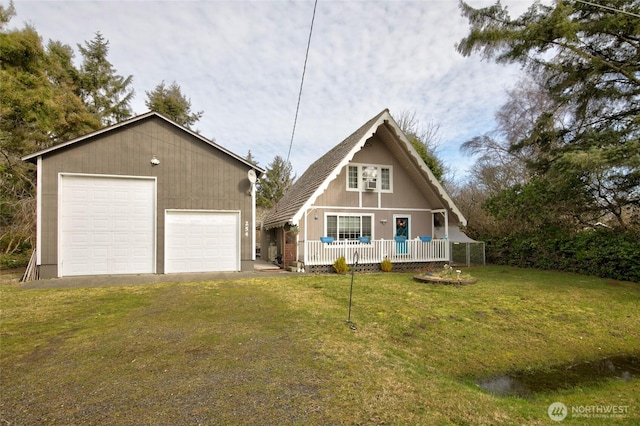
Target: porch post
(446, 224)
(304, 236)
(446, 234)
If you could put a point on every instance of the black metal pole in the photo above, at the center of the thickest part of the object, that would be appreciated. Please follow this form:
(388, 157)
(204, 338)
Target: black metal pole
(355, 257)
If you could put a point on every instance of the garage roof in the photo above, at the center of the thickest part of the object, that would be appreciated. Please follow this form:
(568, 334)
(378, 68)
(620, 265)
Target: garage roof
(33, 157)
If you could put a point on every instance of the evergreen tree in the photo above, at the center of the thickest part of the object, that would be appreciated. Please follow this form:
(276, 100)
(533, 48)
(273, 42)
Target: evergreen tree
(249, 158)
(587, 58)
(38, 109)
(170, 102)
(274, 183)
(106, 94)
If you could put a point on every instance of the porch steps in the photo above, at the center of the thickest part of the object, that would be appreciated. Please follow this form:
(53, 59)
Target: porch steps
(296, 267)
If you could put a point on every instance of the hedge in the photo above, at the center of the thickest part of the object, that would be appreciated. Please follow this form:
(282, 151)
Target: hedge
(601, 252)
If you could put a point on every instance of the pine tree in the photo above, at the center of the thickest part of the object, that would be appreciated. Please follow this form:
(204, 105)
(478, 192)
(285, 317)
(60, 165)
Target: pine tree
(274, 183)
(38, 109)
(106, 94)
(249, 158)
(587, 58)
(170, 102)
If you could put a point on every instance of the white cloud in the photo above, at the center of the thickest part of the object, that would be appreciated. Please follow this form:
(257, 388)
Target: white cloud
(241, 62)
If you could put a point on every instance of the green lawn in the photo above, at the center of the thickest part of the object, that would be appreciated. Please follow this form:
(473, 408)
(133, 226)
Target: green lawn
(277, 350)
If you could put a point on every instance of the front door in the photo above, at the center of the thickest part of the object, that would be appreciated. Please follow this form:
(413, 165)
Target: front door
(401, 226)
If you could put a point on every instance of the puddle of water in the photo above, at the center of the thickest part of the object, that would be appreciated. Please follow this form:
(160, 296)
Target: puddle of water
(527, 383)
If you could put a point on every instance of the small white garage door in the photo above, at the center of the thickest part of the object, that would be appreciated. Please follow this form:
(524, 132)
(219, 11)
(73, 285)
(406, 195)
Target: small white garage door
(201, 241)
(106, 225)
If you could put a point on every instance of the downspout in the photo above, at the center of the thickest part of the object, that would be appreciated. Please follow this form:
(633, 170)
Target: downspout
(253, 221)
(39, 212)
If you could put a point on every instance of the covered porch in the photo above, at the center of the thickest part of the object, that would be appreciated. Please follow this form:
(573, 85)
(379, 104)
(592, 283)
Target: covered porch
(326, 251)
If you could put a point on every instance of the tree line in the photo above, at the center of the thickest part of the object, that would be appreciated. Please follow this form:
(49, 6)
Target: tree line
(45, 100)
(557, 184)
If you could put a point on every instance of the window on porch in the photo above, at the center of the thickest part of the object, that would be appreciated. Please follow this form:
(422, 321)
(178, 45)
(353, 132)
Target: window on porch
(349, 227)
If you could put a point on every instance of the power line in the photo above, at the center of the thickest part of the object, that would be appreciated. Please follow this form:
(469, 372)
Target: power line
(304, 70)
(609, 8)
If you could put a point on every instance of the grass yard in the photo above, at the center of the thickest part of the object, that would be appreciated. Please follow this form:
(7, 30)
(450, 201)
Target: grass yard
(277, 350)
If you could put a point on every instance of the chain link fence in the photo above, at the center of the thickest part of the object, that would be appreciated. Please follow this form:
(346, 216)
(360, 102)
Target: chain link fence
(468, 254)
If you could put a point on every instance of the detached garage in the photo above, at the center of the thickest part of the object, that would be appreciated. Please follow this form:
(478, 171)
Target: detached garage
(200, 241)
(106, 225)
(143, 196)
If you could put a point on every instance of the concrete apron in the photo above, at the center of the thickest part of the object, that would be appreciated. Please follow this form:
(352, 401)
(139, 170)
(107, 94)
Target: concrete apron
(260, 268)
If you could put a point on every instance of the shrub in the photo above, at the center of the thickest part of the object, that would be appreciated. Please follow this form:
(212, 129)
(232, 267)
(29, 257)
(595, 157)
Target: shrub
(340, 265)
(607, 253)
(386, 265)
(15, 260)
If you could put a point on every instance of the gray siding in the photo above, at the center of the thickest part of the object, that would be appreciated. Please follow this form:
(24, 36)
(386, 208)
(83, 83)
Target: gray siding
(408, 197)
(191, 175)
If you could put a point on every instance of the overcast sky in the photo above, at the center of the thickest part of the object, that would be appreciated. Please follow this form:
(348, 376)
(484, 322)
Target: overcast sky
(241, 63)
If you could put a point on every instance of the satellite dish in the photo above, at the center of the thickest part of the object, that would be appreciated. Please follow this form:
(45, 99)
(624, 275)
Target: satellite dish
(251, 175)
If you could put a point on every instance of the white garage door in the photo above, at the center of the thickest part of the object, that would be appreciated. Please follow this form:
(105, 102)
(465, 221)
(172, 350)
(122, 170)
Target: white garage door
(106, 225)
(201, 241)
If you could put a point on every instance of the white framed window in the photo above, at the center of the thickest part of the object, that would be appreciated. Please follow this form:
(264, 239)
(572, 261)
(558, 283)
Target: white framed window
(352, 177)
(343, 226)
(369, 177)
(385, 178)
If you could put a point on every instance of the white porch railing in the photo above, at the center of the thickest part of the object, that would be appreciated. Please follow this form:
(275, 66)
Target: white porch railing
(319, 253)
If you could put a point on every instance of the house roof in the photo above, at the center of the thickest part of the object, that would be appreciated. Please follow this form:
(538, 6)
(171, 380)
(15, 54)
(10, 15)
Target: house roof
(34, 156)
(453, 234)
(317, 177)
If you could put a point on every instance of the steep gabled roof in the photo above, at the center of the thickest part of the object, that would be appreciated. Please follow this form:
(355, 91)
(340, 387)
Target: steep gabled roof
(33, 157)
(317, 177)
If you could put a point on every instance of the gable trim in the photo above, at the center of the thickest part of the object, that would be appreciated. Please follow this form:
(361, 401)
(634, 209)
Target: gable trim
(426, 170)
(385, 117)
(341, 165)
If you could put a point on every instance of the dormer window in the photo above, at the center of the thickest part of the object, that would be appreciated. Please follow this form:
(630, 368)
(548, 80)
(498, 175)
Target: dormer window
(369, 178)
